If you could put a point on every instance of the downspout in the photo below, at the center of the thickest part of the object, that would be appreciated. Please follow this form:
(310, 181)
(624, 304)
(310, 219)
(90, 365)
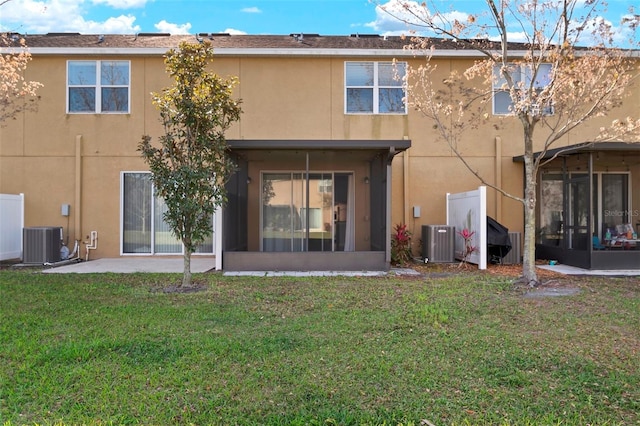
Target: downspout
(498, 173)
(78, 190)
(405, 189)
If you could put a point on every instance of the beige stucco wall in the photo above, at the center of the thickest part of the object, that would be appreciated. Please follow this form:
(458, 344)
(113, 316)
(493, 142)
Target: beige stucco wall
(56, 158)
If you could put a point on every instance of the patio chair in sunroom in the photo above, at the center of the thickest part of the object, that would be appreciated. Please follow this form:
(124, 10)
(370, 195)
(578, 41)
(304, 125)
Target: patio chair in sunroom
(597, 245)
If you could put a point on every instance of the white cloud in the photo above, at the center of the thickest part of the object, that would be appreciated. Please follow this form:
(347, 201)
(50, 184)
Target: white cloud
(251, 10)
(620, 34)
(121, 4)
(40, 17)
(167, 27)
(123, 24)
(33, 16)
(513, 37)
(389, 17)
(233, 31)
(400, 17)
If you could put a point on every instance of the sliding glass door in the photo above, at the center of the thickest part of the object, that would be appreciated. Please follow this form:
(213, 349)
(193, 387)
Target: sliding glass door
(282, 196)
(144, 230)
(613, 210)
(578, 217)
(303, 212)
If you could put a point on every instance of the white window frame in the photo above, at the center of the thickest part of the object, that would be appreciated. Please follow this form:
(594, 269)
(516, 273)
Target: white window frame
(152, 252)
(98, 86)
(376, 87)
(522, 73)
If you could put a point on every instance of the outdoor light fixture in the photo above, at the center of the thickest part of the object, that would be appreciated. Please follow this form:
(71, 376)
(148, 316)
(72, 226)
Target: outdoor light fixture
(366, 180)
(248, 180)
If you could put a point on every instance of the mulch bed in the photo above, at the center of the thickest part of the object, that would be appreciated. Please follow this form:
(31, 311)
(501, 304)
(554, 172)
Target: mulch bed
(511, 271)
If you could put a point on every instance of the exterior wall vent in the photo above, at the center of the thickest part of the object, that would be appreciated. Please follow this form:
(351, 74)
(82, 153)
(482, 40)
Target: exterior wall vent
(514, 256)
(41, 244)
(438, 243)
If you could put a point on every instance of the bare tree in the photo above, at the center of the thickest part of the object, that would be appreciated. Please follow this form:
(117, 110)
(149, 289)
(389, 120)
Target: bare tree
(17, 94)
(551, 86)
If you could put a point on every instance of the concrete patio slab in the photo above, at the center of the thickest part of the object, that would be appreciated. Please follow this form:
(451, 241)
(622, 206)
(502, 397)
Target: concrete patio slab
(206, 264)
(134, 264)
(175, 265)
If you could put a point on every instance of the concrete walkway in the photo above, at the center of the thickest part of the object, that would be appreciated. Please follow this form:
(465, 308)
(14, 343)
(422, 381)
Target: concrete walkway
(572, 270)
(206, 264)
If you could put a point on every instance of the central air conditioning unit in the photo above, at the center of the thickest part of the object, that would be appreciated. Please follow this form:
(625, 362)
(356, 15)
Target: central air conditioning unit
(438, 243)
(514, 257)
(41, 244)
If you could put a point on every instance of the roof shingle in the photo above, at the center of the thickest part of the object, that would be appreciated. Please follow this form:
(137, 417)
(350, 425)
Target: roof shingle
(217, 40)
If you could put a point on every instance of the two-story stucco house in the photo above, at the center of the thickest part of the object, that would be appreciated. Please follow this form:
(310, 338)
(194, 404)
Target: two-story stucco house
(329, 155)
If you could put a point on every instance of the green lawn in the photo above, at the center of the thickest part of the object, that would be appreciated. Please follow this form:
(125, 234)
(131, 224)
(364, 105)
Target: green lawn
(460, 349)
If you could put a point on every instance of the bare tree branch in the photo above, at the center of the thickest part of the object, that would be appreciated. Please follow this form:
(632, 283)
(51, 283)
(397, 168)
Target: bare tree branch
(553, 88)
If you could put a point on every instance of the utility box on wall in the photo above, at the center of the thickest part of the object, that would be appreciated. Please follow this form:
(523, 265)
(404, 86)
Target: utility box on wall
(438, 243)
(41, 244)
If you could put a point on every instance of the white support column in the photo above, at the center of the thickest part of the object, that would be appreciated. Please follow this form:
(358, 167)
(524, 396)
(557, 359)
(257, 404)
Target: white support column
(498, 180)
(482, 191)
(217, 238)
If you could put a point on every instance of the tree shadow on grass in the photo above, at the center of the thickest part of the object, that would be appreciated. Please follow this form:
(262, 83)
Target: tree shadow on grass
(195, 287)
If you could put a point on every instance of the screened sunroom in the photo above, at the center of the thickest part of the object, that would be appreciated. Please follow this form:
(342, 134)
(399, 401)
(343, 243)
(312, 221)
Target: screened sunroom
(588, 206)
(309, 205)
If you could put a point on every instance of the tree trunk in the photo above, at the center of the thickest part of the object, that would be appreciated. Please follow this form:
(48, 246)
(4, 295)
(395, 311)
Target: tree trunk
(186, 275)
(529, 256)
(529, 275)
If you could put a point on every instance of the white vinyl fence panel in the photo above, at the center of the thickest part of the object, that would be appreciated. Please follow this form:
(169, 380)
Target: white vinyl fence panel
(11, 224)
(468, 210)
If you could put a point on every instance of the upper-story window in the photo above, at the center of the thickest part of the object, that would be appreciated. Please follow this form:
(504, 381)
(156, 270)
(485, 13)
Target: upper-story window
(522, 79)
(98, 86)
(375, 88)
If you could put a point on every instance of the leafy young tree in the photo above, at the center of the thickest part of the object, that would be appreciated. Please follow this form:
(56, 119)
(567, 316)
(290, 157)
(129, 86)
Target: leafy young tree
(191, 165)
(552, 86)
(17, 94)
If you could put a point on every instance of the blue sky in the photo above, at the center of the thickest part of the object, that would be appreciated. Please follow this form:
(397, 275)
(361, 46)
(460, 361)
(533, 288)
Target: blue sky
(326, 17)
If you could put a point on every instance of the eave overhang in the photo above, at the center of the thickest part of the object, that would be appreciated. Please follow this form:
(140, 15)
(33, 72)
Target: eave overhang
(258, 52)
(275, 52)
(630, 147)
(390, 145)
